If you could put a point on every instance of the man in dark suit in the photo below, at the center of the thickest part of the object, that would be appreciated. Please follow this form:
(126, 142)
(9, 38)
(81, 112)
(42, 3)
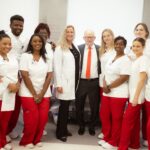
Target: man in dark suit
(89, 82)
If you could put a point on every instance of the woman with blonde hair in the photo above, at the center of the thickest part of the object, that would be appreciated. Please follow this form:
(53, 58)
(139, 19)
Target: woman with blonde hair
(106, 51)
(66, 75)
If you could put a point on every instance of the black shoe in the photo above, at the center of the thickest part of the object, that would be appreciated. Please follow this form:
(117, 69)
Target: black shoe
(63, 139)
(81, 130)
(91, 131)
(69, 133)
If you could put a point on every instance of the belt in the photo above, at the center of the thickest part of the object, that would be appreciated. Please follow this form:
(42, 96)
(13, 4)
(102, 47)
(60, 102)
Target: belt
(94, 79)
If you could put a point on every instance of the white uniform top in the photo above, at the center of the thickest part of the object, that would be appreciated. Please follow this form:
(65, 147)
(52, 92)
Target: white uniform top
(147, 48)
(147, 89)
(64, 73)
(104, 59)
(37, 73)
(49, 50)
(18, 45)
(9, 73)
(50, 54)
(138, 65)
(113, 70)
(94, 70)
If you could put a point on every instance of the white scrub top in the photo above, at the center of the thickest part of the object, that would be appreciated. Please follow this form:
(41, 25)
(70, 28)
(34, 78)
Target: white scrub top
(113, 70)
(37, 73)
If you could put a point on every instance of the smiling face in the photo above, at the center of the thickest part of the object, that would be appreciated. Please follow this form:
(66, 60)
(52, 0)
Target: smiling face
(137, 48)
(44, 34)
(70, 34)
(107, 37)
(36, 43)
(16, 27)
(119, 46)
(89, 38)
(5, 45)
(140, 31)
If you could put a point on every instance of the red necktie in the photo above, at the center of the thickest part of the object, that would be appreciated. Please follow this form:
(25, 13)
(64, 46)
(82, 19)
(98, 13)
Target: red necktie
(88, 68)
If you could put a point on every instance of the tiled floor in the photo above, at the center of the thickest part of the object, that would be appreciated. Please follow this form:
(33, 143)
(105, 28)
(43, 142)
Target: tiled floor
(76, 142)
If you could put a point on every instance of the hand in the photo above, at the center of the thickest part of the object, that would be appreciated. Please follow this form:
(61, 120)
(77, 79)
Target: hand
(60, 89)
(1, 78)
(106, 89)
(40, 97)
(13, 87)
(135, 102)
(36, 98)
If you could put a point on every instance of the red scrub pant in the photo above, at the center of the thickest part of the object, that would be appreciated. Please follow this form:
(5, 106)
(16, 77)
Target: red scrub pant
(4, 119)
(111, 114)
(130, 134)
(147, 104)
(144, 122)
(35, 118)
(15, 115)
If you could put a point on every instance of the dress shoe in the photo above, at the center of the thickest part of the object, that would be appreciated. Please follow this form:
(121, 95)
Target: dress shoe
(63, 139)
(91, 131)
(69, 133)
(81, 130)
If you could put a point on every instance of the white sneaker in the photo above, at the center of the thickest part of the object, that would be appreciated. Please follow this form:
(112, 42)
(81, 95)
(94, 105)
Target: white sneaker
(30, 146)
(8, 147)
(40, 144)
(145, 143)
(44, 132)
(8, 139)
(101, 142)
(13, 135)
(109, 146)
(101, 136)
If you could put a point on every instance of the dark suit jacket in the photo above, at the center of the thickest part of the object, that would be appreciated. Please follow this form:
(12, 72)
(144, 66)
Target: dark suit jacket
(81, 48)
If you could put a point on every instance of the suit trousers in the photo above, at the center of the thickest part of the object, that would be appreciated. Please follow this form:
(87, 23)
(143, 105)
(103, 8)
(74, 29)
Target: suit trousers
(4, 119)
(88, 88)
(130, 134)
(61, 130)
(35, 117)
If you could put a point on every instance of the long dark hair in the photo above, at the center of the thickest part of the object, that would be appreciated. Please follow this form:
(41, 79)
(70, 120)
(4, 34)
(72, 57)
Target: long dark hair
(42, 50)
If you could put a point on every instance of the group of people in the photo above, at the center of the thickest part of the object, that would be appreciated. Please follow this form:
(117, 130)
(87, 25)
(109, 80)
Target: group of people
(116, 83)
(124, 83)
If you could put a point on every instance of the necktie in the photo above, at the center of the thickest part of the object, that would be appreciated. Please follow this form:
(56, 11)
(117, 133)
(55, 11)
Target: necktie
(88, 67)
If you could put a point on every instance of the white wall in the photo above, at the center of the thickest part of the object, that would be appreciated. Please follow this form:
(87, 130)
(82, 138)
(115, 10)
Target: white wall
(54, 12)
(29, 9)
(119, 15)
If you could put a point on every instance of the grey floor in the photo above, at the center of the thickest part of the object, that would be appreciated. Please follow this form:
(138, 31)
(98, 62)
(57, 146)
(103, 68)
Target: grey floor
(76, 142)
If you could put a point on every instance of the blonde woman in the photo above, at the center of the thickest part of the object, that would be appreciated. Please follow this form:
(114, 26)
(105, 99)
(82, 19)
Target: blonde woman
(106, 52)
(66, 75)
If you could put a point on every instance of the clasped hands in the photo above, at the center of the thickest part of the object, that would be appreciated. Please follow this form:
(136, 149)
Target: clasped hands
(38, 97)
(106, 89)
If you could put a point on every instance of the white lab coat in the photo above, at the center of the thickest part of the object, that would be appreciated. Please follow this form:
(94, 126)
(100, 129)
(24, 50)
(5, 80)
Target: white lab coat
(64, 73)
